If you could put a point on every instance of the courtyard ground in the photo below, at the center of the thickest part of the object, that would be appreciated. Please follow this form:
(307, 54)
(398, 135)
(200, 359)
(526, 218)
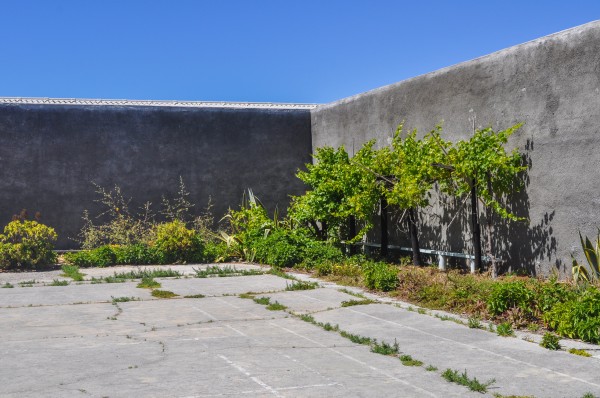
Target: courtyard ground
(117, 340)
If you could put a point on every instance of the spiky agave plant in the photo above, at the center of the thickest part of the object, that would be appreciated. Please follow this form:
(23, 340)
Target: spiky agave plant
(591, 272)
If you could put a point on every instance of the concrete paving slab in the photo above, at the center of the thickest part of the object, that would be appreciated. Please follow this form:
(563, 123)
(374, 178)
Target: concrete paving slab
(71, 294)
(519, 367)
(307, 301)
(224, 286)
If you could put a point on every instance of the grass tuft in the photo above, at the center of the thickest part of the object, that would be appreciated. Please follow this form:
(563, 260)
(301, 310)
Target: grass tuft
(123, 299)
(276, 307)
(355, 338)
(8, 285)
(384, 348)
(550, 341)
(58, 282)
(147, 273)
(163, 294)
(216, 271)
(148, 283)
(577, 351)
(351, 303)
(407, 360)
(431, 368)
(194, 296)
(505, 329)
(301, 285)
(463, 379)
(72, 271)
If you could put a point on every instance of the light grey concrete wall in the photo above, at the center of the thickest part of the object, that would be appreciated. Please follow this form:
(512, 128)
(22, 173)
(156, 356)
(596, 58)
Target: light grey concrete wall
(50, 154)
(552, 85)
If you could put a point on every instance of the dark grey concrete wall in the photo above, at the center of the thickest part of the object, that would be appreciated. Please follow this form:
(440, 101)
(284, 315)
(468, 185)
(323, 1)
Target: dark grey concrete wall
(552, 85)
(50, 154)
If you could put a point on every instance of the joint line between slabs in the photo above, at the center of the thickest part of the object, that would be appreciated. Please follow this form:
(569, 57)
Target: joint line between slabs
(253, 378)
(477, 348)
(357, 361)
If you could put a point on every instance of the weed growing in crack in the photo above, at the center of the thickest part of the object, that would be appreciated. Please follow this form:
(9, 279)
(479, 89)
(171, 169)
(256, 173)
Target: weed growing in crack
(262, 300)
(463, 379)
(148, 283)
(225, 271)
(57, 282)
(351, 303)
(475, 323)
(278, 272)
(355, 338)
(276, 307)
(422, 311)
(449, 318)
(301, 285)
(148, 273)
(350, 292)
(165, 294)
(550, 341)
(582, 353)
(123, 299)
(308, 318)
(505, 329)
(384, 348)
(194, 296)
(27, 283)
(8, 285)
(407, 360)
(431, 368)
(72, 271)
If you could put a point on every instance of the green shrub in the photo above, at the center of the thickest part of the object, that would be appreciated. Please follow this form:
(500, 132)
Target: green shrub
(318, 252)
(506, 295)
(27, 244)
(578, 318)
(278, 248)
(380, 276)
(174, 243)
(135, 254)
(102, 256)
(551, 293)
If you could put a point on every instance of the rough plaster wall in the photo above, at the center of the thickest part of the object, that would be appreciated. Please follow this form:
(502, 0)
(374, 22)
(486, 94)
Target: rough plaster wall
(552, 85)
(50, 154)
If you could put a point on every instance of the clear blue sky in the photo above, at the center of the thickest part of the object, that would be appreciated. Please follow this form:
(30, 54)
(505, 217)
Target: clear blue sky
(252, 50)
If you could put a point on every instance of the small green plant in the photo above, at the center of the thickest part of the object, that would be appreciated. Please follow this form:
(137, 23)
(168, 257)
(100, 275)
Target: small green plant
(225, 271)
(58, 282)
(357, 339)
(588, 395)
(308, 318)
(407, 360)
(431, 368)
(163, 294)
(194, 296)
(29, 283)
(577, 351)
(301, 285)
(276, 307)
(123, 299)
(148, 283)
(475, 323)
(262, 300)
(463, 379)
(8, 285)
(329, 327)
(505, 329)
(351, 303)
(351, 293)
(449, 318)
(148, 273)
(384, 348)
(550, 341)
(421, 311)
(72, 271)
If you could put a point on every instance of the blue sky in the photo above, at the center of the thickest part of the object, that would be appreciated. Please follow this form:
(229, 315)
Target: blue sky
(267, 51)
